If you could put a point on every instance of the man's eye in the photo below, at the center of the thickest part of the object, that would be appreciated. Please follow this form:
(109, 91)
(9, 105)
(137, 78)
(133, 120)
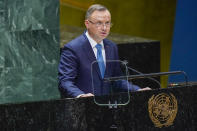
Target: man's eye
(107, 23)
(99, 23)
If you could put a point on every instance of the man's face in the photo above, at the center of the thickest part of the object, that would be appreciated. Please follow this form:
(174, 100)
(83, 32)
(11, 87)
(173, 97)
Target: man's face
(98, 25)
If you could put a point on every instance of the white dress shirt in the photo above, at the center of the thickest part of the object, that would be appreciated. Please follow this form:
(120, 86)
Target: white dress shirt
(93, 45)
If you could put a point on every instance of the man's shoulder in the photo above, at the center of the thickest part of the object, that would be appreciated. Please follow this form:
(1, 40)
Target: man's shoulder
(77, 42)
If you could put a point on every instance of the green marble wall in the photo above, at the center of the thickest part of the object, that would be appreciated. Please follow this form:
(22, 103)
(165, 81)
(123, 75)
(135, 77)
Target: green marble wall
(29, 50)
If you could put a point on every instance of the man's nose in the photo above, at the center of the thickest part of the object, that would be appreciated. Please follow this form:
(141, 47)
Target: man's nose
(104, 26)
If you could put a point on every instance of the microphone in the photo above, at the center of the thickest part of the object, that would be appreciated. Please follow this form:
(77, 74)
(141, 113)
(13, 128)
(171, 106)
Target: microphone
(125, 62)
(148, 75)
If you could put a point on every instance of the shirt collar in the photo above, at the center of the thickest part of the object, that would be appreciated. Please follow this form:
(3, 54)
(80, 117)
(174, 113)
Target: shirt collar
(92, 41)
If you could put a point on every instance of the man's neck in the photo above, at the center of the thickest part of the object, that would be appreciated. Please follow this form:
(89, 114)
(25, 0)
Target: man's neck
(97, 41)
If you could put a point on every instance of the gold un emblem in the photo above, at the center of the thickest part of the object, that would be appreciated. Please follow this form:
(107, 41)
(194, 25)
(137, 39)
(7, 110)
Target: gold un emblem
(162, 109)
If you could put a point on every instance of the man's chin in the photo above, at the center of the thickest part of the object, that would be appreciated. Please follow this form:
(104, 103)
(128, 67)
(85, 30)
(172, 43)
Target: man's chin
(103, 36)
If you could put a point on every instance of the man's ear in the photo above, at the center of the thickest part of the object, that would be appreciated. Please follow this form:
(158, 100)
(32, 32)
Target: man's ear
(86, 24)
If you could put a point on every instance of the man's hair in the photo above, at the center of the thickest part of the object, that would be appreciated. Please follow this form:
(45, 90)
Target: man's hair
(95, 7)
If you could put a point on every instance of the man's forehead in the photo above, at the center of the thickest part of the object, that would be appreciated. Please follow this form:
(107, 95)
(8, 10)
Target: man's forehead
(101, 15)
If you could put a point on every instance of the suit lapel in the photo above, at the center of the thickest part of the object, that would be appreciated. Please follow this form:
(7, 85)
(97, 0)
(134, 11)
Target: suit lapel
(107, 54)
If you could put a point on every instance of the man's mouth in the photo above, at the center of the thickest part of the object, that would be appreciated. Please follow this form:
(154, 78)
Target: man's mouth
(103, 33)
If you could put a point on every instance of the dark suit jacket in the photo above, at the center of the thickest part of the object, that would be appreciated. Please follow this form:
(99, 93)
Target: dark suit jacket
(75, 68)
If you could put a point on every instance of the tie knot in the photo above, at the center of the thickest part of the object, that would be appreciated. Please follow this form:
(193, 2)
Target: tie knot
(98, 46)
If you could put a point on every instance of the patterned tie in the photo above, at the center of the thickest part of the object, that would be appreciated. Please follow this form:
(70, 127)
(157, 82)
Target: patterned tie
(100, 59)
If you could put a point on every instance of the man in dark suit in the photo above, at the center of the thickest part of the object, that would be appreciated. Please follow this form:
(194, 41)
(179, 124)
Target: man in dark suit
(78, 55)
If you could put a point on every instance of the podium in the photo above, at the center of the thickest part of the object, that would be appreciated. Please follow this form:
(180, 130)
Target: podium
(155, 110)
